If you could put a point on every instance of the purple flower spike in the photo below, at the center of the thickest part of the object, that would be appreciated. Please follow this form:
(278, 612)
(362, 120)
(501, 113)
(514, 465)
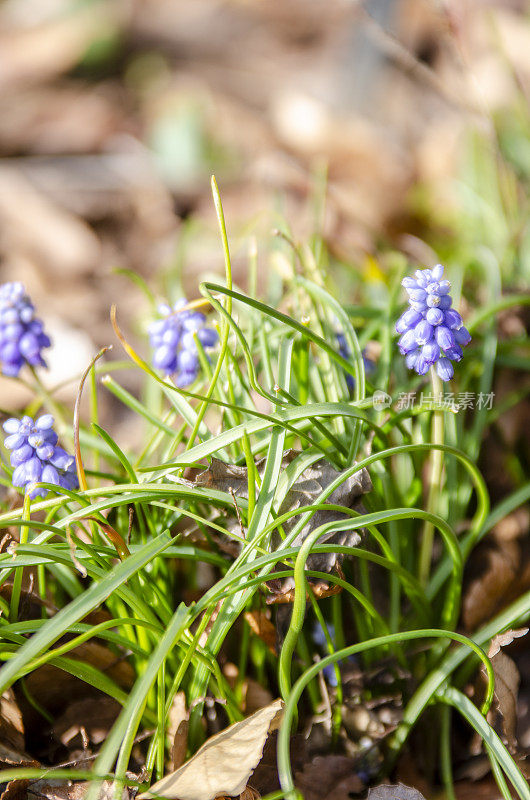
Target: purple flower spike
(431, 331)
(173, 342)
(22, 336)
(36, 457)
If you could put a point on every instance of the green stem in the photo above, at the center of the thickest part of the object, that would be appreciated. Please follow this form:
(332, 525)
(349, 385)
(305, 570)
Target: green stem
(435, 482)
(225, 327)
(446, 760)
(17, 580)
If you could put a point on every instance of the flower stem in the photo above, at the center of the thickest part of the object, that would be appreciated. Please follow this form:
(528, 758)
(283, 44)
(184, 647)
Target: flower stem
(435, 482)
(17, 580)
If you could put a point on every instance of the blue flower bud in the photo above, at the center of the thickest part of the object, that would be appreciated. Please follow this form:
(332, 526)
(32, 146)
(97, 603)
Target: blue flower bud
(185, 379)
(431, 352)
(409, 283)
(61, 459)
(423, 332)
(444, 368)
(45, 451)
(434, 316)
(45, 422)
(164, 357)
(455, 353)
(453, 320)
(422, 365)
(408, 319)
(407, 342)
(187, 362)
(14, 441)
(50, 475)
(433, 300)
(11, 425)
(22, 454)
(462, 336)
(444, 337)
(418, 295)
(208, 337)
(412, 357)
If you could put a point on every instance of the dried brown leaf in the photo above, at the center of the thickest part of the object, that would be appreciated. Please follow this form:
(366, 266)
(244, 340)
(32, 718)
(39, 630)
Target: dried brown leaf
(330, 777)
(15, 790)
(93, 716)
(504, 639)
(11, 725)
(247, 794)
(305, 490)
(483, 594)
(262, 626)
(397, 792)
(224, 763)
(12, 744)
(66, 790)
(507, 680)
(178, 729)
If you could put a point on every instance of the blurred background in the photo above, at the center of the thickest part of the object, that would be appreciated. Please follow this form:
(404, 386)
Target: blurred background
(114, 114)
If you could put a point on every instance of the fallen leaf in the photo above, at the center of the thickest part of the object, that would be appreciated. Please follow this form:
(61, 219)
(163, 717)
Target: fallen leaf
(507, 680)
(247, 794)
(224, 763)
(330, 777)
(12, 744)
(504, 639)
(178, 729)
(15, 790)
(11, 725)
(66, 790)
(398, 792)
(262, 626)
(495, 571)
(93, 716)
(305, 490)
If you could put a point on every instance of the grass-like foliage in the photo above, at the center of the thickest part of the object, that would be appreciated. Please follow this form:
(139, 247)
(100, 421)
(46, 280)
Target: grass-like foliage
(138, 537)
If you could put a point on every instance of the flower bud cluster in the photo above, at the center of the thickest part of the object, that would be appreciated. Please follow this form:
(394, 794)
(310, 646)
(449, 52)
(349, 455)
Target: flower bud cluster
(36, 456)
(432, 332)
(174, 344)
(22, 336)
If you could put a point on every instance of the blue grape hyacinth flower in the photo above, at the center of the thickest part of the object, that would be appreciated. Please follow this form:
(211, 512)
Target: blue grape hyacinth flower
(36, 456)
(22, 336)
(174, 344)
(432, 332)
